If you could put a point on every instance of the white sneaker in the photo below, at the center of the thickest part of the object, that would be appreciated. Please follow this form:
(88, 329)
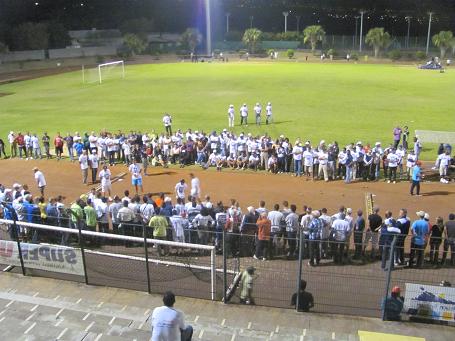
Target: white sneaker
(388, 181)
(394, 182)
(254, 256)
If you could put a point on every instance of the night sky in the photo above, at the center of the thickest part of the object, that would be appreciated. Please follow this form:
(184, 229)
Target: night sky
(337, 16)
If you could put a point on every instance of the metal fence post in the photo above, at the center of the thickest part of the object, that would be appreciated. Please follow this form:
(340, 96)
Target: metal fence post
(299, 276)
(81, 245)
(389, 273)
(147, 270)
(19, 249)
(224, 267)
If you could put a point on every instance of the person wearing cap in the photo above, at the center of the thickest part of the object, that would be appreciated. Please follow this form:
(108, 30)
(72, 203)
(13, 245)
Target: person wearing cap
(419, 231)
(244, 114)
(392, 305)
(246, 285)
(231, 115)
(268, 113)
(416, 177)
(258, 110)
(40, 180)
(168, 323)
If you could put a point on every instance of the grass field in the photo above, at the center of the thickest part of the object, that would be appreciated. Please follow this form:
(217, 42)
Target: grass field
(343, 102)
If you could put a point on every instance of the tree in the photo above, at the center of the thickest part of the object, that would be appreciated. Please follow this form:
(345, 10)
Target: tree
(313, 34)
(140, 27)
(191, 38)
(378, 39)
(251, 38)
(29, 36)
(443, 40)
(58, 35)
(134, 44)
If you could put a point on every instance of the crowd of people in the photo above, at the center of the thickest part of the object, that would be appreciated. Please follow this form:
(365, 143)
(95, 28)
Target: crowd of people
(226, 149)
(263, 232)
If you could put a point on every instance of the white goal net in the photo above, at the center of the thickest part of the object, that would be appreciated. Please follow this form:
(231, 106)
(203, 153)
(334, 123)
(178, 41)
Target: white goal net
(103, 72)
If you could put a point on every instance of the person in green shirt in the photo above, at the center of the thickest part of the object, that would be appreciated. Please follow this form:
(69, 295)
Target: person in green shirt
(90, 216)
(77, 216)
(159, 225)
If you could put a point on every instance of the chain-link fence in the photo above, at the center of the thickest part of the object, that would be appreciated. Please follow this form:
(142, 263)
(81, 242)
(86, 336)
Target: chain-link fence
(291, 270)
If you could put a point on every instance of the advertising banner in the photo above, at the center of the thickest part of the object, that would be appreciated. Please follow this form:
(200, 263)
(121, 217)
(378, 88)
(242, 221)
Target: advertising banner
(433, 302)
(53, 258)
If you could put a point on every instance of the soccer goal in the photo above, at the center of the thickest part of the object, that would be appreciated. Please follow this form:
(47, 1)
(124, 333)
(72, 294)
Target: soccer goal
(103, 72)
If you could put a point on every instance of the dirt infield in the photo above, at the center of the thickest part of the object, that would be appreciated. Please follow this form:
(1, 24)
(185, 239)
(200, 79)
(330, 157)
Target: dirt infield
(247, 187)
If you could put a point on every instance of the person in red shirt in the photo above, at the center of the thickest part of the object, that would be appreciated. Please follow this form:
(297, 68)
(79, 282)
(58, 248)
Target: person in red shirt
(20, 141)
(58, 143)
(263, 240)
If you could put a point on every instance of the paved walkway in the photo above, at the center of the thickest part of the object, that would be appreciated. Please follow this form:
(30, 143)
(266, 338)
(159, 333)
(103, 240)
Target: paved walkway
(33, 308)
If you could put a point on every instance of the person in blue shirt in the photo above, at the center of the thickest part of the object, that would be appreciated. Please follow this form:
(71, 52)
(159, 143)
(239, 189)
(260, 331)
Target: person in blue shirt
(416, 177)
(420, 231)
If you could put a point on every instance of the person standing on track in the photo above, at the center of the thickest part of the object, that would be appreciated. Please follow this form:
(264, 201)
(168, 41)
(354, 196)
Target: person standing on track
(180, 189)
(195, 186)
(83, 162)
(105, 179)
(136, 175)
(416, 177)
(231, 114)
(40, 180)
(94, 163)
(58, 144)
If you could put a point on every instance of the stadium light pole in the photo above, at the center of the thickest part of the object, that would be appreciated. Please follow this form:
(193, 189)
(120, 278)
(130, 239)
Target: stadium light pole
(298, 17)
(408, 19)
(285, 14)
(429, 32)
(251, 21)
(356, 30)
(361, 30)
(208, 25)
(227, 21)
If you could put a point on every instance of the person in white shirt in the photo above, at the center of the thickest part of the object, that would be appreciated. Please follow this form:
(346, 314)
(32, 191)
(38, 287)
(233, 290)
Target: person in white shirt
(93, 139)
(410, 163)
(258, 111)
(178, 226)
(40, 180)
(136, 175)
(105, 178)
(12, 144)
(340, 227)
(167, 121)
(277, 220)
(168, 324)
(393, 159)
(94, 163)
(400, 153)
(297, 152)
(83, 162)
(28, 146)
(180, 189)
(231, 114)
(323, 157)
(268, 113)
(35, 146)
(308, 159)
(244, 115)
(195, 186)
(443, 161)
